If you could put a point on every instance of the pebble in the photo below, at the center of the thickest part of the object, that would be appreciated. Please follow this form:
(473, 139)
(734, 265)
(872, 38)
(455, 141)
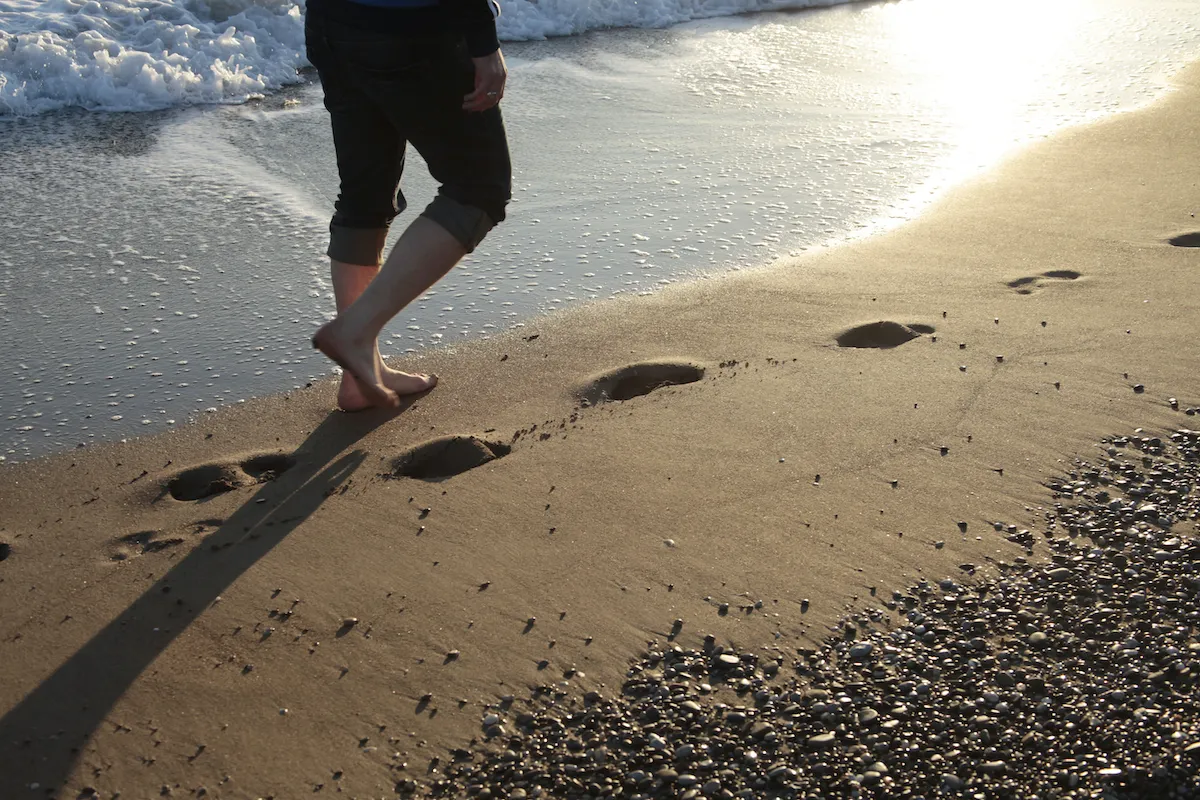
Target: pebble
(861, 651)
(821, 740)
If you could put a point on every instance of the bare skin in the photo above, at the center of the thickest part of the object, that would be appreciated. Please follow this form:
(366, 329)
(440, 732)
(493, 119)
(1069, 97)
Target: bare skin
(352, 398)
(349, 281)
(424, 253)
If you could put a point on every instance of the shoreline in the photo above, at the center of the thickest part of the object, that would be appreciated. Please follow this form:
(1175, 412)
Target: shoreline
(189, 292)
(785, 473)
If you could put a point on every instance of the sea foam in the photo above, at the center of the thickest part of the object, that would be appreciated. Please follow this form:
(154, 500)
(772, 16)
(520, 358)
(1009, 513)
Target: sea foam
(141, 55)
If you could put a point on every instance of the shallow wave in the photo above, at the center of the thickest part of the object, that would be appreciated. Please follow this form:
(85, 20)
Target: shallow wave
(142, 55)
(540, 19)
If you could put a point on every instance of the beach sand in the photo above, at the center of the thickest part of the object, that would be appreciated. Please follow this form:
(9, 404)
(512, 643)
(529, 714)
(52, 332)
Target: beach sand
(282, 601)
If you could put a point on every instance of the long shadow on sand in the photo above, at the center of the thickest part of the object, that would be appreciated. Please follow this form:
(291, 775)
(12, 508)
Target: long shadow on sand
(41, 737)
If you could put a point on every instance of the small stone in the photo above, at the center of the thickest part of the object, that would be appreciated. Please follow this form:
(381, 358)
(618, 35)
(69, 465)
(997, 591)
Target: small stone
(729, 660)
(1139, 388)
(1037, 638)
(861, 651)
(349, 622)
(821, 740)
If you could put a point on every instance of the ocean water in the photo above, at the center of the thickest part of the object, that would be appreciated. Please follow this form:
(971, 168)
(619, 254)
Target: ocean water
(140, 55)
(160, 263)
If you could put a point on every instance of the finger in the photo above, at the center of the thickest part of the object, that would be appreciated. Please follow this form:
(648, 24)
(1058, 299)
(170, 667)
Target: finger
(483, 92)
(483, 97)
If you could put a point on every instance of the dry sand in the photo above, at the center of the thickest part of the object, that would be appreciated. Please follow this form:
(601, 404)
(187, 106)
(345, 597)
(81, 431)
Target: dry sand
(150, 644)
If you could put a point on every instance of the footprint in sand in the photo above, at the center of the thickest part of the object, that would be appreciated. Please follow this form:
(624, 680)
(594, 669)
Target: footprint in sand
(1033, 283)
(446, 456)
(881, 335)
(140, 543)
(638, 379)
(1186, 239)
(209, 480)
(132, 545)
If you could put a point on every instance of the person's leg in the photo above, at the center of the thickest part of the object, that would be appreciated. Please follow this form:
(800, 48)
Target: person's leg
(468, 154)
(370, 158)
(424, 253)
(349, 282)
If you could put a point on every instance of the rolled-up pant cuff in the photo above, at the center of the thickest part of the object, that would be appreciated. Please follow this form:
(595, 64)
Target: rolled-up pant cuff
(465, 223)
(361, 246)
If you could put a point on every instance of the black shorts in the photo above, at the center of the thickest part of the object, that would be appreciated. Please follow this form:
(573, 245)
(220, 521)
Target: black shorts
(384, 90)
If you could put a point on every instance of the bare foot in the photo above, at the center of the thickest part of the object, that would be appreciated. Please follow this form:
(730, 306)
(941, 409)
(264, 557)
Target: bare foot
(351, 397)
(358, 360)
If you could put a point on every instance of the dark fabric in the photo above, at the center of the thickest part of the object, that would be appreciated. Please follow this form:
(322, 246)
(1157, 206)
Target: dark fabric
(384, 91)
(397, 3)
(466, 223)
(474, 20)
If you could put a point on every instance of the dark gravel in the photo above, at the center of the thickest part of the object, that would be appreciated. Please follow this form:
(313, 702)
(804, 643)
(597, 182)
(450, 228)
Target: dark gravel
(1074, 677)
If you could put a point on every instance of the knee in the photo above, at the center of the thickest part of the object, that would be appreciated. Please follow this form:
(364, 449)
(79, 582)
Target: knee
(468, 222)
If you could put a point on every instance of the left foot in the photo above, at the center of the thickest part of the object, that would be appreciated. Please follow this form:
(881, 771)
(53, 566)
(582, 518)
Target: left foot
(359, 360)
(351, 397)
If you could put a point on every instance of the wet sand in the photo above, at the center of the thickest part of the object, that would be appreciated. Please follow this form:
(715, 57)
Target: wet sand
(283, 601)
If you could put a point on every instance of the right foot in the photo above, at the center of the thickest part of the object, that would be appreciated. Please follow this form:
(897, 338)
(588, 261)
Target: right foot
(359, 361)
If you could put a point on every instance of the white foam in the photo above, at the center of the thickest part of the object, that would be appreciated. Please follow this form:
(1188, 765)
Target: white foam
(524, 20)
(141, 55)
(138, 55)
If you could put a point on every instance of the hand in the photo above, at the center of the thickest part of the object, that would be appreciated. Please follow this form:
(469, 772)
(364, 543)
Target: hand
(490, 76)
